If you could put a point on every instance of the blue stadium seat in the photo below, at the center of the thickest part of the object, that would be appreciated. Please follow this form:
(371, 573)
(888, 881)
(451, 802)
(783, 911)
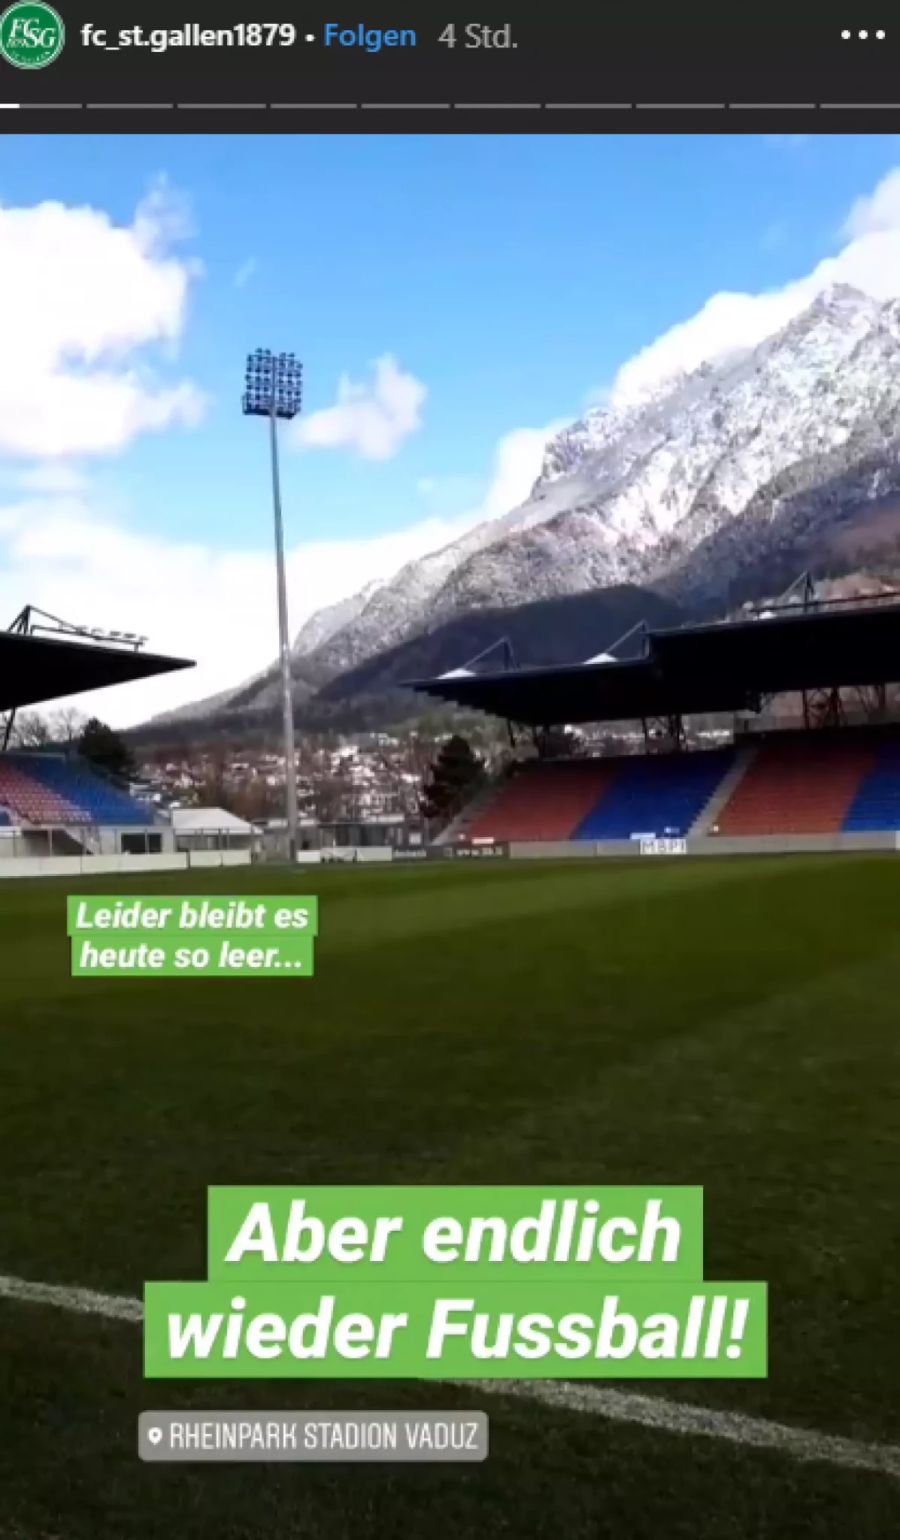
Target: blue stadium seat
(662, 794)
(876, 805)
(73, 779)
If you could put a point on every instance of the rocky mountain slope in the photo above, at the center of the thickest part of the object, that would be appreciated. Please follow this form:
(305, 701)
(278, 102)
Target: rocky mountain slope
(785, 456)
(324, 624)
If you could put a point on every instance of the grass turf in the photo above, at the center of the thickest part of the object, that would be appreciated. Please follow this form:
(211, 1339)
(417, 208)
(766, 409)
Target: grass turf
(729, 1023)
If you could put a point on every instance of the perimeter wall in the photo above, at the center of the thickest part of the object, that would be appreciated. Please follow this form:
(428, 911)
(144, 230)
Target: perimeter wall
(762, 845)
(120, 866)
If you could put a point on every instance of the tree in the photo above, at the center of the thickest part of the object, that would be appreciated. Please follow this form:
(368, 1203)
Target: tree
(31, 731)
(102, 746)
(67, 725)
(455, 777)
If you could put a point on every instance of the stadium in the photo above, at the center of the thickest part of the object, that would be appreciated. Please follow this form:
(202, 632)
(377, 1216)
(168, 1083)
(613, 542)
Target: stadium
(729, 1023)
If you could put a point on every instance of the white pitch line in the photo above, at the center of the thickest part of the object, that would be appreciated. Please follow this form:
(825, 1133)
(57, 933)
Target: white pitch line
(113, 1307)
(657, 1413)
(665, 1416)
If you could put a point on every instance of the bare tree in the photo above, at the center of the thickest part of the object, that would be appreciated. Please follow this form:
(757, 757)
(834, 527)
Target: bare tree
(67, 725)
(31, 731)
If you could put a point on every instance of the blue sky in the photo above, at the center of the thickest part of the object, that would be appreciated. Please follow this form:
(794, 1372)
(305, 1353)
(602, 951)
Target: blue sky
(509, 278)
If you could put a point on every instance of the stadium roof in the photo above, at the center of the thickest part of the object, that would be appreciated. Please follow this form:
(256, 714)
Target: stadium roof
(40, 668)
(726, 666)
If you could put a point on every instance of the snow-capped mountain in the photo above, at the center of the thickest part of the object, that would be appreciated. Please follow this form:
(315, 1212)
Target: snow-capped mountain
(628, 494)
(323, 624)
(681, 491)
(403, 604)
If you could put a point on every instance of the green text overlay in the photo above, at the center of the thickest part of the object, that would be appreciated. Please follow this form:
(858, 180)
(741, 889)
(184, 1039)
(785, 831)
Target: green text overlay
(446, 1282)
(114, 937)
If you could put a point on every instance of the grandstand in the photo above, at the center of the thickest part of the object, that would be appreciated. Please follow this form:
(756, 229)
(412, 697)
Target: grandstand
(42, 789)
(838, 777)
(783, 788)
(57, 803)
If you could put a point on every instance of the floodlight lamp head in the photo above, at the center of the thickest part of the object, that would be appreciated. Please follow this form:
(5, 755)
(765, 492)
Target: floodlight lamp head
(273, 384)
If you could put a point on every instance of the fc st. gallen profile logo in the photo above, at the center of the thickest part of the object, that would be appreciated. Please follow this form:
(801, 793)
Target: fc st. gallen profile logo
(31, 35)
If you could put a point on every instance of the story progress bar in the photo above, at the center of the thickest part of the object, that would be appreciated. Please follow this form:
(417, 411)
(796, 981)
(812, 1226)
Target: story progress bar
(451, 106)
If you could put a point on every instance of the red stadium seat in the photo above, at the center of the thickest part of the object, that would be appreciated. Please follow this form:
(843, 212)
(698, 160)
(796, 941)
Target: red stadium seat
(31, 802)
(544, 801)
(797, 788)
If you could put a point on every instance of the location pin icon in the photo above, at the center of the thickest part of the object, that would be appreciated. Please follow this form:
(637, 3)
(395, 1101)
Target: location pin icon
(155, 1435)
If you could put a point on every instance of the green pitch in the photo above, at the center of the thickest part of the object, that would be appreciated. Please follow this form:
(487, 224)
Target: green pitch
(727, 1023)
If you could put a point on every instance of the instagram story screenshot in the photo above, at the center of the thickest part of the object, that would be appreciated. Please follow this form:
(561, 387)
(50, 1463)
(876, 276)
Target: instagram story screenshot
(449, 773)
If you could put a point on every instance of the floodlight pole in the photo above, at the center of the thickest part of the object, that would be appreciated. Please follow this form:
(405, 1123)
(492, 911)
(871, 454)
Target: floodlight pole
(273, 390)
(284, 643)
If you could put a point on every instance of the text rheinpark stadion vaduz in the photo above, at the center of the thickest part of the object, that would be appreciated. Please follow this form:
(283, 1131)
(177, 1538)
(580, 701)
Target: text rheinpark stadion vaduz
(114, 937)
(447, 1282)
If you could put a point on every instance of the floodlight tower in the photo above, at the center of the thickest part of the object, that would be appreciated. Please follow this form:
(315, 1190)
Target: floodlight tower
(274, 388)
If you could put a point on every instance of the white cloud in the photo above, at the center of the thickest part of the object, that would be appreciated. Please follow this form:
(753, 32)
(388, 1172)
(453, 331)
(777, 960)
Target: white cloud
(728, 322)
(164, 217)
(876, 212)
(59, 552)
(189, 599)
(245, 272)
(84, 299)
(373, 419)
(517, 465)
